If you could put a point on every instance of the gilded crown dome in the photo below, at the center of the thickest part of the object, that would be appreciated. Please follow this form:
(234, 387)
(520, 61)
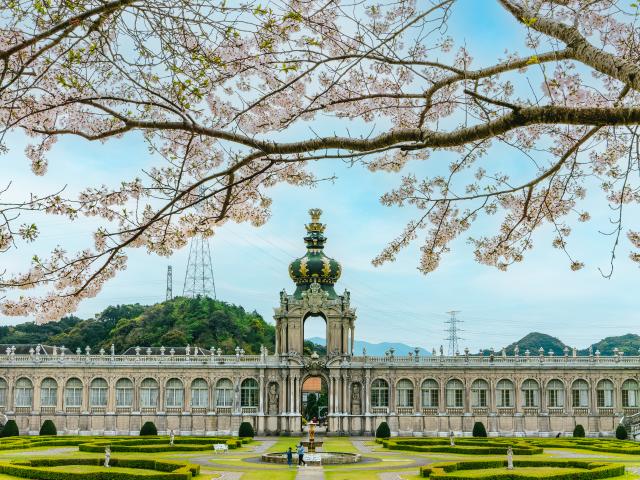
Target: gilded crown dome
(315, 266)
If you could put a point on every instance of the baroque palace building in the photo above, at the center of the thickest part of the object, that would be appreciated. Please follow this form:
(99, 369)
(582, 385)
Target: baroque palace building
(206, 392)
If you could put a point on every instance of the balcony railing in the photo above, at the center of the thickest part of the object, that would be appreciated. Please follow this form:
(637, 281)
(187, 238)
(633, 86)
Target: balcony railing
(455, 410)
(23, 409)
(480, 410)
(581, 410)
(506, 410)
(531, 410)
(606, 411)
(98, 409)
(149, 410)
(249, 410)
(199, 410)
(430, 411)
(556, 410)
(404, 410)
(380, 410)
(72, 409)
(123, 409)
(47, 410)
(223, 410)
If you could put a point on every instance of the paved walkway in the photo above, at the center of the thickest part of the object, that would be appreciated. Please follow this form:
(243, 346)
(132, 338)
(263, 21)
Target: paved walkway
(310, 473)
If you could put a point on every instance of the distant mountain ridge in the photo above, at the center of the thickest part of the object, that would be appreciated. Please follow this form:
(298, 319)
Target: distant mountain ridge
(377, 348)
(628, 343)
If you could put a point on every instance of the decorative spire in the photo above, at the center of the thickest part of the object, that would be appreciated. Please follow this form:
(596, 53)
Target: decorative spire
(315, 238)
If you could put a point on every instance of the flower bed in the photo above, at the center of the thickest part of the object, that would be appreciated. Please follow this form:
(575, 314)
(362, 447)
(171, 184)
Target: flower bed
(524, 469)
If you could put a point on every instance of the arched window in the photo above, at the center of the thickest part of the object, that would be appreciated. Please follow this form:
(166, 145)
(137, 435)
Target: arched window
(604, 391)
(555, 394)
(630, 394)
(479, 393)
(505, 393)
(98, 393)
(249, 393)
(3, 392)
(48, 393)
(379, 393)
(455, 393)
(149, 393)
(405, 393)
(73, 393)
(224, 393)
(24, 393)
(174, 394)
(430, 394)
(580, 394)
(124, 393)
(530, 393)
(199, 393)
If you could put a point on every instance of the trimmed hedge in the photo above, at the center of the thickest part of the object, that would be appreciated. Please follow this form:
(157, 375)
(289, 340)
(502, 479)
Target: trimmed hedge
(160, 444)
(592, 470)
(621, 433)
(37, 469)
(463, 446)
(479, 430)
(148, 429)
(383, 430)
(578, 432)
(48, 428)
(246, 430)
(10, 429)
(591, 444)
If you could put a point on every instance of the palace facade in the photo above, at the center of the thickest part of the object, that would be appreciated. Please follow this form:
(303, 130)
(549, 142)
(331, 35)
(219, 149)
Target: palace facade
(204, 392)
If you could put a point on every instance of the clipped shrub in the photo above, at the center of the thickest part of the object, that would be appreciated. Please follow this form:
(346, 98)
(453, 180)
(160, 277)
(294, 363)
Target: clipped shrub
(10, 429)
(48, 428)
(149, 428)
(383, 430)
(621, 433)
(479, 430)
(578, 432)
(246, 430)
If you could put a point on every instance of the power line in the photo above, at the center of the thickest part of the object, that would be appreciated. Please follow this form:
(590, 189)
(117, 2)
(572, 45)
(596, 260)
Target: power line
(453, 331)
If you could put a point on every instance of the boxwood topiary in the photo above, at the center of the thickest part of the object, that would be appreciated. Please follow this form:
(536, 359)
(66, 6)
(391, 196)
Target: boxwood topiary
(10, 429)
(383, 430)
(149, 428)
(479, 430)
(578, 432)
(246, 430)
(621, 433)
(48, 428)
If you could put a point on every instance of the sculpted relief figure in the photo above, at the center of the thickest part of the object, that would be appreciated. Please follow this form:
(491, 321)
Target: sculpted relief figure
(356, 399)
(272, 399)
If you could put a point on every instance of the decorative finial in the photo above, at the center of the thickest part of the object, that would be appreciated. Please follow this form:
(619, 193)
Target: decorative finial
(315, 214)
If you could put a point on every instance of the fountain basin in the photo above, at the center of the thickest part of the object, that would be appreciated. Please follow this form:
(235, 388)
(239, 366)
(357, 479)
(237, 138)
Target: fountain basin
(318, 458)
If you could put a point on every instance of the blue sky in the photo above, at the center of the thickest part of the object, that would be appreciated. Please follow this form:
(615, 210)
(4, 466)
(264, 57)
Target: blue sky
(394, 302)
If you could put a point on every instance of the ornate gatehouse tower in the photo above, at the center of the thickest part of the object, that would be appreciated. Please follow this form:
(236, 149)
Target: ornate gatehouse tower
(315, 275)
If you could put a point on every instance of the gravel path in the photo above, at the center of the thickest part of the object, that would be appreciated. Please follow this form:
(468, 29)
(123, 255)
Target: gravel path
(566, 454)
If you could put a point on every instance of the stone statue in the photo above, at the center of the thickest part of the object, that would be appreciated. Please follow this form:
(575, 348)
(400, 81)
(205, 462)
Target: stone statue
(172, 437)
(356, 399)
(107, 456)
(452, 441)
(509, 458)
(272, 399)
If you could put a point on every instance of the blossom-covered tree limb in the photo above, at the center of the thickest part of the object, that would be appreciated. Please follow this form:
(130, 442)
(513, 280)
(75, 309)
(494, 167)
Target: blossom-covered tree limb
(214, 88)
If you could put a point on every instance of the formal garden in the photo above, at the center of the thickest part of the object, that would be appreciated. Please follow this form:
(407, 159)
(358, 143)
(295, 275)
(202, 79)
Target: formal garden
(150, 456)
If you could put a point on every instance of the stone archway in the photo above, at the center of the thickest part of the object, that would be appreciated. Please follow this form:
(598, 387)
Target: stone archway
(315, 399)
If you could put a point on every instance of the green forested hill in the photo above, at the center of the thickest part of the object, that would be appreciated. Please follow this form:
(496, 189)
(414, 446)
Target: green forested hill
(629, 344)
(534, 340)
(195, 321)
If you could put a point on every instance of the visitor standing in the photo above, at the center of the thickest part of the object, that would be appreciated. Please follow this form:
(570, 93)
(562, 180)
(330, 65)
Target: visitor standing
(301, 456)
(290, 457)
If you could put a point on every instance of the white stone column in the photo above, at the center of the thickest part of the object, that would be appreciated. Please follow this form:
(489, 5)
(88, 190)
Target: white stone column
(85, 394)
(261, 401)
(345, 394)
(291, 394)
(60, 396)
(37, 382)
(366, 392)
(186, 404)
(111, 395)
